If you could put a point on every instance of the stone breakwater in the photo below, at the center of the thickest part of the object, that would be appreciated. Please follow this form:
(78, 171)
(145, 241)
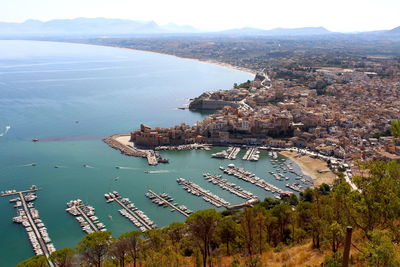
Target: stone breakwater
(124, 149)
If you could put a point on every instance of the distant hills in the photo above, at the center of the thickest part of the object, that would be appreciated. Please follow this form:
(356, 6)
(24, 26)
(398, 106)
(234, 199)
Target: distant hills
(87, 27)
(279, 31)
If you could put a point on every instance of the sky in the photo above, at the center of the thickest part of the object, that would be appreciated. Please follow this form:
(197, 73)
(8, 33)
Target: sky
(335, 15)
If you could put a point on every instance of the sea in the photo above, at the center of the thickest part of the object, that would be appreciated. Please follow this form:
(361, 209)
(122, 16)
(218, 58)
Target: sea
(70, 96)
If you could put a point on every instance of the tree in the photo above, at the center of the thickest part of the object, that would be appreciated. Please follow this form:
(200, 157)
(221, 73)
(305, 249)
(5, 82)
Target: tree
(36, 261)
(378, 204)
(63, 257)
(395, 130)
(94, 247)
(227, 231)
(202, 225)
(119, 249)
(379, 251)
(135, 243)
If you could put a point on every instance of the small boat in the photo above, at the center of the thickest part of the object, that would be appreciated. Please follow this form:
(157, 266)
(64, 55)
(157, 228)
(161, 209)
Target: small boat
(146, 171)
(110, 217)
(33, 164)
(116, 178)
(56, 167)
(118, 167)
(35, 140)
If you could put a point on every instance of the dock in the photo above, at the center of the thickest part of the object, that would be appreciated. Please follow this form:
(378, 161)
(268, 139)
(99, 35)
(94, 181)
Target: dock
(231, 187)
(136, 216)
(85, 216)
(252, 154)
(233, 152)
(28, 216)
(151, 158)
(169, 203)
(249, 177)
(199, 191)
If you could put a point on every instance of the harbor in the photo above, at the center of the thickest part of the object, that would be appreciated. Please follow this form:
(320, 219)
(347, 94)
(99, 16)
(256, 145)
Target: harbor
(29, 217)
(252, 154)
(129, 211)
(165, 200)
(85, 216)
(207, 196)
(249, 177)
(231, 187)
(230, 153)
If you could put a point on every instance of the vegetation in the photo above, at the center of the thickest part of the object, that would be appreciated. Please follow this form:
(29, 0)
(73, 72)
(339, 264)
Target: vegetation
(316, 220)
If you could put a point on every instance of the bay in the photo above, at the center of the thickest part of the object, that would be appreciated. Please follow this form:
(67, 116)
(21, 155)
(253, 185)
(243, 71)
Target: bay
(70, 96)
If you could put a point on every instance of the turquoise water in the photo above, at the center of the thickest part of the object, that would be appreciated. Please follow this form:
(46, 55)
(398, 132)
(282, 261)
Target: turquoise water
(46, 87)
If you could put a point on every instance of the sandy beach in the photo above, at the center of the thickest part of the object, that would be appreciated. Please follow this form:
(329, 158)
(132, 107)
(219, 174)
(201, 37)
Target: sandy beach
(315, 168)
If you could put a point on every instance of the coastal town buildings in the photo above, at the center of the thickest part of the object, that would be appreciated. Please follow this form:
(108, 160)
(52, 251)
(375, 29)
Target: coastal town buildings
(349, 120)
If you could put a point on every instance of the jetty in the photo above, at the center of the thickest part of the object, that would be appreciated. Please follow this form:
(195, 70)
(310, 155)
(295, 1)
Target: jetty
(233, 152)
(163, 200)
(231, 187)
(85, 216)
(249, 177)
(252, 154)
(29, 217)
(129, 211)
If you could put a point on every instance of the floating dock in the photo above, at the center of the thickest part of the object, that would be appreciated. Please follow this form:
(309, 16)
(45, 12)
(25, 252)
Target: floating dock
(29, 217)
(247, 176)
(199, 191)
(163, 200)
(233, 152)
(252, 154)
(231, 187)
(85, 216)
(136, 216)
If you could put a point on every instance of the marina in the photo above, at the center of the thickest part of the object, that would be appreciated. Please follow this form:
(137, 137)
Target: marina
(165, 200)
(247, 176)
(85, 215)
(252, 154)
(231, 187)
(29, 217)
(196, 190)
(129, 211)
(230, 153)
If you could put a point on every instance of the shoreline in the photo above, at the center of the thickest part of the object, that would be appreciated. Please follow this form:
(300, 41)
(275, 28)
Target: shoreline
(208, 61)
(317, 169)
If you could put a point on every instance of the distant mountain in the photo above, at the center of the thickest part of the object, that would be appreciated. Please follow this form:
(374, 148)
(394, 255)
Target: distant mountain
(279, 31)
(395, 30)
(88, 27)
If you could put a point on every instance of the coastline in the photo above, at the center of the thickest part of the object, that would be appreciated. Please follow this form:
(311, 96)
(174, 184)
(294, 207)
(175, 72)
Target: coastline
(208, 61)
(315, 168)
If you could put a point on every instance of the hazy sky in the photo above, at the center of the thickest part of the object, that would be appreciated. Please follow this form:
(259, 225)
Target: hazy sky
(335, 15)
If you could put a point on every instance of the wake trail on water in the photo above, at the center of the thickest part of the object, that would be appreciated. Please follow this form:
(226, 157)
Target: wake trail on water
(6, 131)
(160, 171)
(126, 168)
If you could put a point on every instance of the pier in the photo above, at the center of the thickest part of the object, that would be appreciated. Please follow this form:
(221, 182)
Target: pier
(252, 154)
(137, 217)
(247, 176)
(233, 152)
(89, 222)
(151, 158)
(28, 216)
(169, 203)
(199, 191)
(231, 187)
